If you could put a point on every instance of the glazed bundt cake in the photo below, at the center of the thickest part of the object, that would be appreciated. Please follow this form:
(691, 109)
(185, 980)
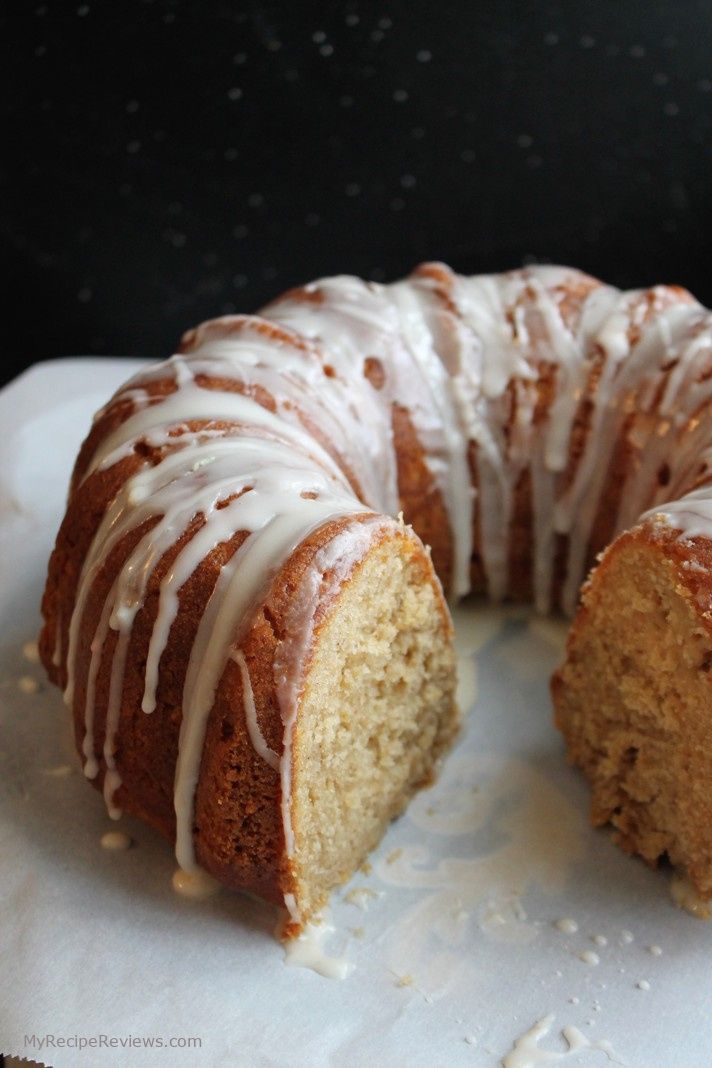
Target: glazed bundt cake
(255, 646)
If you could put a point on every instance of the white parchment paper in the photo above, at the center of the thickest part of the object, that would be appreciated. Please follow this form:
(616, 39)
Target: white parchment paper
(452, 933)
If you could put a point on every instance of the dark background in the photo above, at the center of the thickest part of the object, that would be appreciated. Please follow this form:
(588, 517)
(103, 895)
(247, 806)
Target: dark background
(168, 161)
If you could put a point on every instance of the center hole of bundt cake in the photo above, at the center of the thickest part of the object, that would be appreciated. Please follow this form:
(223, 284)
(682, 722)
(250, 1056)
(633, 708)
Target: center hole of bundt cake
(378, 710)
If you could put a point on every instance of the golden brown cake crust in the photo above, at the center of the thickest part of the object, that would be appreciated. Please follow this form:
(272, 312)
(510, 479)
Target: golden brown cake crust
(239, 834)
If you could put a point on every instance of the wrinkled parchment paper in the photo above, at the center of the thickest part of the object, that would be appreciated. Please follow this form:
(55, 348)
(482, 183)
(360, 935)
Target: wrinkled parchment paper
(452, 932)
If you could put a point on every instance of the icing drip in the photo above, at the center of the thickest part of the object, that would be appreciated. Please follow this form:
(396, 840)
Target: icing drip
(691, 515)
(196, 885)
(253, 727)
(519, 387)
(527, 1053)
(307, 950)
(273, 493)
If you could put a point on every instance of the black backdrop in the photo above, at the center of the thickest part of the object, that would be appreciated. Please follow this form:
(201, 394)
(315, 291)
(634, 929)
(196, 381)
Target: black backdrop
(167, 161)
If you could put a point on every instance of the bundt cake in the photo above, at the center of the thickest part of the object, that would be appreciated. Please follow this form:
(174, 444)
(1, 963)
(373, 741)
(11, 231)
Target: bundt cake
(255, 646)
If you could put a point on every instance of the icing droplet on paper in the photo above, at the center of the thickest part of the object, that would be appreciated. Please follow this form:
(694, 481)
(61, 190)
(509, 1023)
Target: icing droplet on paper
(116, 841)
(307, 950)
(194, 884)
(526, 1052)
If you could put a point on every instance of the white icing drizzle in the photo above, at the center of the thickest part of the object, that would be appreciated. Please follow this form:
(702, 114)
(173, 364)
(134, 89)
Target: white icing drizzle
(274, 426)
(307, 950)
(253, 727)
(691, 515)
(196, 884)
(527, 1053)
